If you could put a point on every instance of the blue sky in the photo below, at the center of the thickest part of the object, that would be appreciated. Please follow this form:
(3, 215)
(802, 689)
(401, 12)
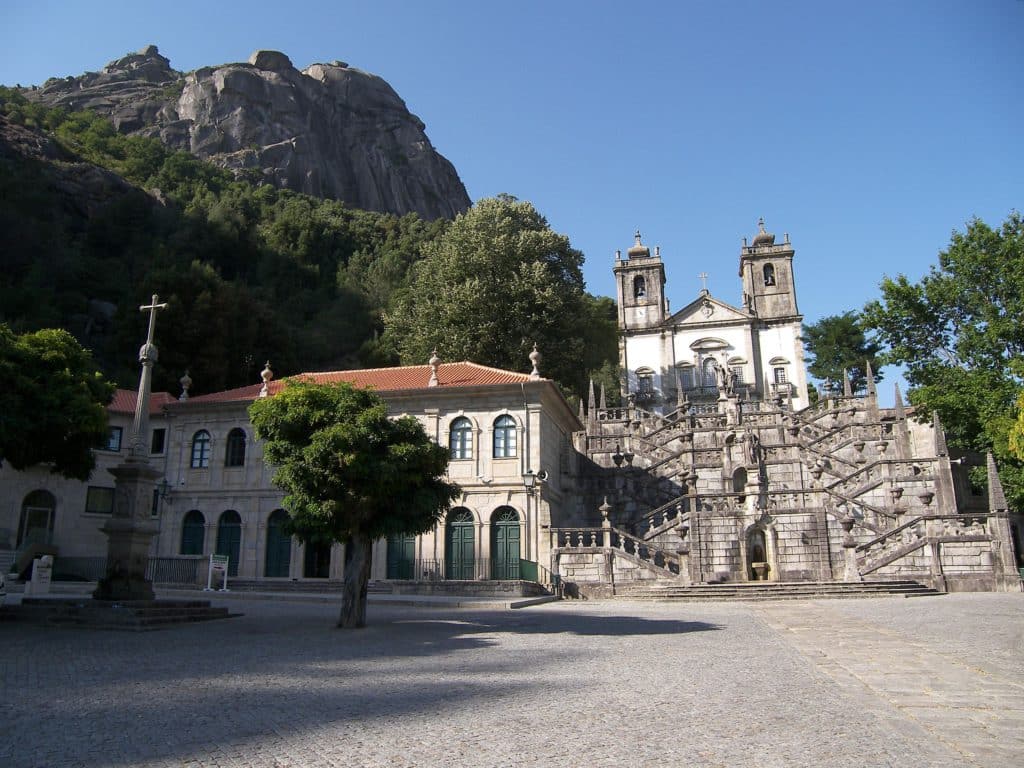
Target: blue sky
(867, 130)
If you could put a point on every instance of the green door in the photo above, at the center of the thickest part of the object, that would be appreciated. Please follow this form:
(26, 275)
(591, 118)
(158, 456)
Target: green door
(317, 563)
(401, 557)
(279, 546)
(459, 550)
(229, 539)
(505, 544)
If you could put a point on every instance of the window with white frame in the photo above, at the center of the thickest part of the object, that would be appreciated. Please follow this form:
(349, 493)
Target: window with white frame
(504, 437)
(460, 439)
(201, 449)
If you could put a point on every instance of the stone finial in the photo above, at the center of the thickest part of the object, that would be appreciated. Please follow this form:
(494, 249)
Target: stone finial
(186, 383)
(847, 386)
(604, 401)
(605, 509)
(583, 413)
(535, 360)
(869, 372)
(996, 497)
(940, 436)
(901, 412)
(637, 236)
(434, 362)
(267, 375)
(591, 399)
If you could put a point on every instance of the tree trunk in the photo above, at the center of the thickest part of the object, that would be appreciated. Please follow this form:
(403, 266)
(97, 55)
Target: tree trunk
(358, 557)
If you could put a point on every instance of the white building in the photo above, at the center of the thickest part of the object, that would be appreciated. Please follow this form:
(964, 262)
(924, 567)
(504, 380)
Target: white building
(709, 346)
(505, 431)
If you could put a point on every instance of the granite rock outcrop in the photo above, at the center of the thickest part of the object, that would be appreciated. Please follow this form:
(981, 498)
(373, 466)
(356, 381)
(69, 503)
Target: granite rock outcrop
(329, 130)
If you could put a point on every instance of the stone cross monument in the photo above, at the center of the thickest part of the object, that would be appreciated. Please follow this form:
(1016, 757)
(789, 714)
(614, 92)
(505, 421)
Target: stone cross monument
(131, 528)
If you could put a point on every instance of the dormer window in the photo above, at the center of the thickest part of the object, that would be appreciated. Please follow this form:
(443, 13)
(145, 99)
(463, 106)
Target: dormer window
(639, 287)
(769, 274)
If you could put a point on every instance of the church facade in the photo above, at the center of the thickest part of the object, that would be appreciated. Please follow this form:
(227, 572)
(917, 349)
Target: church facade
(710, 346)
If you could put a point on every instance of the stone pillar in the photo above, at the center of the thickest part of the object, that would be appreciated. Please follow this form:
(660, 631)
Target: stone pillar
(683, 550)
(129, 532)
(850, 572)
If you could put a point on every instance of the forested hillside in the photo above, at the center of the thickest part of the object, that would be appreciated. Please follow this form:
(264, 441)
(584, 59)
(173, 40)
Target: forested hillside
(251, 272)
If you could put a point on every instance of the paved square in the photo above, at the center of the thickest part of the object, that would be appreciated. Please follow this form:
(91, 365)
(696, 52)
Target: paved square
(867, 682)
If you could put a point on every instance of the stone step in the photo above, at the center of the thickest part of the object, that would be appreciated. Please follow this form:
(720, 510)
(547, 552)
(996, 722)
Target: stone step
(762, 591)
(127, 615)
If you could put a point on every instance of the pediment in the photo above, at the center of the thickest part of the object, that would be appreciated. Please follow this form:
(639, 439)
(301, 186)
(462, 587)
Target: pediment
(708, 309)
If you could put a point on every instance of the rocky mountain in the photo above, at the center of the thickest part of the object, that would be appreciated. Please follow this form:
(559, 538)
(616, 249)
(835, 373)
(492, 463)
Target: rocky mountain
(329, 130)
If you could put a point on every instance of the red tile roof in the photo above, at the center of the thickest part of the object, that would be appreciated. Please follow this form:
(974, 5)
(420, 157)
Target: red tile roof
(406, 377)
(125, 399)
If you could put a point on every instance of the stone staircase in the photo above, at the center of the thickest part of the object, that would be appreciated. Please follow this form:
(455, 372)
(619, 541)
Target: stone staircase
(763, 590)
(127, 615)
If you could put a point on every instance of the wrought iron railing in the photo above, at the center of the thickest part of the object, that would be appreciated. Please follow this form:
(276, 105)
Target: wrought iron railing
(160, 570)
(476, 569)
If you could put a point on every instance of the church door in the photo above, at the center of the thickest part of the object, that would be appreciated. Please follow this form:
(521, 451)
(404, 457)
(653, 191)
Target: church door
(279, 546)
(401, 557)
(459, 550)
(505, 544)
(229, 539)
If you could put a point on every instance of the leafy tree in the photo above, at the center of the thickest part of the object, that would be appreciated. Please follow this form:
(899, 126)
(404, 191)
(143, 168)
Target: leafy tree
(836, 346)
(52, 402)
(351, 474)
(496, 282)
(959, 333)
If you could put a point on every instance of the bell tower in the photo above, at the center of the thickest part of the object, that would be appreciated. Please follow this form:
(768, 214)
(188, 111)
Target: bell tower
(769, 290)
(640, 283)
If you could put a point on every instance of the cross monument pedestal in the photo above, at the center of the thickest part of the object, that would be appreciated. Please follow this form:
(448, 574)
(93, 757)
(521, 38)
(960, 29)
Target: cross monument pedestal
(131, 528)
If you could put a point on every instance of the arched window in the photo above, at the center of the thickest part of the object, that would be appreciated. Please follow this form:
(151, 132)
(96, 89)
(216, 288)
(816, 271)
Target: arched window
(769, 274)
(708, 377)
(688, 376)
(36, 524)
(193, 531)
(229, 539)
(201, 449)
(460, 439)
(639, 287)
(235, 454)
(504, 437)
(644, 383)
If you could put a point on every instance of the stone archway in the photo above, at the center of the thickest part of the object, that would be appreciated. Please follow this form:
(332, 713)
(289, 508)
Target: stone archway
(759, 567)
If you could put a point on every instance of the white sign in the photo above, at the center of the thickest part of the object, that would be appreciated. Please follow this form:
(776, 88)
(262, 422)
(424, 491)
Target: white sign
(42, 573)
(218, 564)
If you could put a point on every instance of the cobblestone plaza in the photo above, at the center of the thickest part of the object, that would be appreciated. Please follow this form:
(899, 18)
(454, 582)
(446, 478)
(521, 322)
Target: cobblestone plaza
(864, 682)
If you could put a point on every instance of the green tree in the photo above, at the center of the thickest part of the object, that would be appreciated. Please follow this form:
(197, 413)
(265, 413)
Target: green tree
(351, 474)
(836, 346)
(959, 333)
(52, 403)
(496, 282)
